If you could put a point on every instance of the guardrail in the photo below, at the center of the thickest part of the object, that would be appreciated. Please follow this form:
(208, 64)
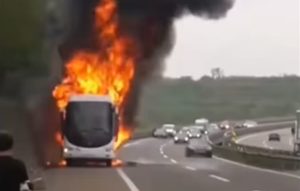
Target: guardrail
(257, 156)
(278, 160)
(218, 137)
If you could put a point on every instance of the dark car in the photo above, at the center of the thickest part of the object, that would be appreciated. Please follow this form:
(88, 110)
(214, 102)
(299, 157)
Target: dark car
(181, 137)
(274, 137)
(198, 147)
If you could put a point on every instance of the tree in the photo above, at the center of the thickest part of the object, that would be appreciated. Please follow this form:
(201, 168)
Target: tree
(20, 34)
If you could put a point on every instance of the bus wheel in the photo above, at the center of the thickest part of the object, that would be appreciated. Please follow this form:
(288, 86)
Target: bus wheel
(108, 163)
(70, 162)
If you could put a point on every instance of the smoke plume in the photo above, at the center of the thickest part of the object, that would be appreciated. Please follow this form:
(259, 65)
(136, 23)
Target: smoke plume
(150, 24)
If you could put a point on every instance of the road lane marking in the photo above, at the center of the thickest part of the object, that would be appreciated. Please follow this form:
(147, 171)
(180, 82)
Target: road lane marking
(173, 161)
(257, 168)
(266, 145)
(127, 180)
(161, 150)
(165, 156)
(243, 138)
(190, 168)
(219, 178)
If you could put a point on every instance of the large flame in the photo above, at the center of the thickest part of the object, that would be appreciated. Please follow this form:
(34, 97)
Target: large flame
(108, 71)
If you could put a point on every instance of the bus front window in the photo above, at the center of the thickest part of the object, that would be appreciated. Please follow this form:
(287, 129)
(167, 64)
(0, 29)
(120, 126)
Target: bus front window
(89, 124)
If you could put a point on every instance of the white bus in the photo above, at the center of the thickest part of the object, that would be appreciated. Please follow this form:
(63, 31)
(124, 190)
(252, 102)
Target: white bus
(90, 128)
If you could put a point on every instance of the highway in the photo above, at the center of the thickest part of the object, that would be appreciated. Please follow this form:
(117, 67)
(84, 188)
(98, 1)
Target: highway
(261, 140)
(156, 165)
(159, 165)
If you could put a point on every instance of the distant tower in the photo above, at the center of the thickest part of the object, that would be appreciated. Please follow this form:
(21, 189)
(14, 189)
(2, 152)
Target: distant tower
(217, 73)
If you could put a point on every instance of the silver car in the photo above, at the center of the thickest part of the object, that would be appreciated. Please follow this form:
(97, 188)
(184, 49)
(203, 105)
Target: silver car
(198, 147)
(181, 137)
(160, 133)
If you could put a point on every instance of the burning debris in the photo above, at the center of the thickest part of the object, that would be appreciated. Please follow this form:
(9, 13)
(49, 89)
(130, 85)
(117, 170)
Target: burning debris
(118, 44)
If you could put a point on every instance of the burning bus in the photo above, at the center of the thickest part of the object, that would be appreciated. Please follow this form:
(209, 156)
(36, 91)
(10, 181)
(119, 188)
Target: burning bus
(90, 126)
(95, 86)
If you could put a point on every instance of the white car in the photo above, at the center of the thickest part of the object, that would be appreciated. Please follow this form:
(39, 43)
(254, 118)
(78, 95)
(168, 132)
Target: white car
(169, 129)
(249, 124)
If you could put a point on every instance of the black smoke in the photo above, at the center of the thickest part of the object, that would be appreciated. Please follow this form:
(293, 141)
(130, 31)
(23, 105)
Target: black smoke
(150, 24)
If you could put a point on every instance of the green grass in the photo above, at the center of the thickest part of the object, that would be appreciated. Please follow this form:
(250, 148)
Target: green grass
(183, 100)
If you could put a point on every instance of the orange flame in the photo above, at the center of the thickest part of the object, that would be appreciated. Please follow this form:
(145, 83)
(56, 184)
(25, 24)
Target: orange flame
(124, 135)
(108, 71)
(117, 163)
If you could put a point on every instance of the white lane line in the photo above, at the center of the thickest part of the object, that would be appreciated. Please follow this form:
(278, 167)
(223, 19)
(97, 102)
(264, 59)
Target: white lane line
(219, 178)
(243, 138)
(190, 168)
(161, 150)
(257, 168)
(165, 156)
(173, 161)
(129, 183)
(266, 145)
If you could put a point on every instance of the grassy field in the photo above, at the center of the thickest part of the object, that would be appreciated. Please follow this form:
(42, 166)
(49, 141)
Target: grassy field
(181, 101)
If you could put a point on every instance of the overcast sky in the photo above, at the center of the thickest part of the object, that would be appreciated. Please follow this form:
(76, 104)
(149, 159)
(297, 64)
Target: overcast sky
(258, 37)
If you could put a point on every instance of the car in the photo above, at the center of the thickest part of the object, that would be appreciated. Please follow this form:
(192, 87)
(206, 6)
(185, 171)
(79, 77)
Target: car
(181, 137)
(249, 124)
(202, 122)
(198, 147)
(186, 129)
(159, 133)
(274, 137)
(194, 133)
(170, 129)
(226, 124)
(212, 128)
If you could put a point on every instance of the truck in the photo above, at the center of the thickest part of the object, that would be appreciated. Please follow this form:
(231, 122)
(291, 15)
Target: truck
(90, 127)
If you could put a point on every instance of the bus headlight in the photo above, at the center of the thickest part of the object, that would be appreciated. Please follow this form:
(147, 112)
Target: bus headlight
(66, 150)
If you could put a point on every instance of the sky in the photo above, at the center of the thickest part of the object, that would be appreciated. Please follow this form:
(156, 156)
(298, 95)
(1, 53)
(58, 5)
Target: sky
(256, 38)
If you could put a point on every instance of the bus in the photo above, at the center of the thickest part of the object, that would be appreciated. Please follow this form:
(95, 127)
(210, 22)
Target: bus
(90, 125)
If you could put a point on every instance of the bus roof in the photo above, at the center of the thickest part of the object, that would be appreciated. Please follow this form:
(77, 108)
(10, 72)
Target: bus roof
(93, 98)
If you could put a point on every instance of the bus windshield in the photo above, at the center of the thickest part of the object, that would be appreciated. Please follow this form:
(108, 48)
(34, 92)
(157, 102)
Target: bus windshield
(89, 124)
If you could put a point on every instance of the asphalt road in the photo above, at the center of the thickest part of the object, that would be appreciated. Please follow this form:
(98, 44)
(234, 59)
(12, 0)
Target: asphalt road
(261, 140)
(159, 166)
(162, 166)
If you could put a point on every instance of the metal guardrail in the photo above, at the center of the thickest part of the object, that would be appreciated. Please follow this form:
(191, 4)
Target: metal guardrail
(258, 156)
(262, 151)
(218, 137)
